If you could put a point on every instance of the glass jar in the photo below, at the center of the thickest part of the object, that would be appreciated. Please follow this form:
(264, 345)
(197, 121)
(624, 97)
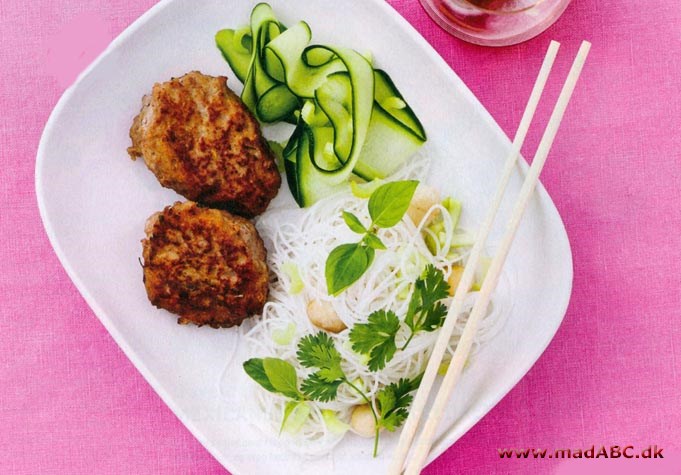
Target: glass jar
(495, 22)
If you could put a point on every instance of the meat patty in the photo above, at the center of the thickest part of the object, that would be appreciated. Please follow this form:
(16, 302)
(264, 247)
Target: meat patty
(205, 265)
(199, 139)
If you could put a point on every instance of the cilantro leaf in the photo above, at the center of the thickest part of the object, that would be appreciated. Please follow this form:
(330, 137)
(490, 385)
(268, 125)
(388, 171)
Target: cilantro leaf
(319, 351)
(376, 338)
(393, 402)
(425, 311)
(435, 286)
(319, 388)
(434, 317)
(394, 418)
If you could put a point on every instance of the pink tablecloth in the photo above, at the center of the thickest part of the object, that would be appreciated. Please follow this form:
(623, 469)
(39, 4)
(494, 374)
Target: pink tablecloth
(70, 402)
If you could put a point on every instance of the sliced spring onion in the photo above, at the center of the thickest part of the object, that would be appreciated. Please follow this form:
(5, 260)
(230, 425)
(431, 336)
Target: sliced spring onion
(362, 358)
(454, 208)
(404, 293)
(481, 271)
(364, 190)
(278, 151)
(463, 239)
(284, 336)
(414, 265)
(295, 415)
(291, 270)
(333, 423)
(444, 366)
(431, 244)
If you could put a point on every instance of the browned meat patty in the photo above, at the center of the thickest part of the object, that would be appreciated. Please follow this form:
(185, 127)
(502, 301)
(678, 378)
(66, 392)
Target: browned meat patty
(205, 265)
(199, 139)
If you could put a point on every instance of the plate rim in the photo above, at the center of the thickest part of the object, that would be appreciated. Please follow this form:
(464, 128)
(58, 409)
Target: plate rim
(447, 440)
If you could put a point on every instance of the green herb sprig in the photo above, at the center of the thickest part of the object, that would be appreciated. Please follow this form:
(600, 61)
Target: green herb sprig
(316, 352)
(393, 402)
(319, 352)
(425, 312)
(348, 262)
(376, 338)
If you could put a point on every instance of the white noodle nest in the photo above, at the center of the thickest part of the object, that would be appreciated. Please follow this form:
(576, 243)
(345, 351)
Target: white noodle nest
(307, 243)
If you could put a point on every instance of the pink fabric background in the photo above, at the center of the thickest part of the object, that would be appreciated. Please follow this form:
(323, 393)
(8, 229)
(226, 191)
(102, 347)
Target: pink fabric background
(70, 401)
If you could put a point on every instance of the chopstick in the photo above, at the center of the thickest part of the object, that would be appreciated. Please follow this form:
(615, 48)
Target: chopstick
(424, 443)
(421, 398)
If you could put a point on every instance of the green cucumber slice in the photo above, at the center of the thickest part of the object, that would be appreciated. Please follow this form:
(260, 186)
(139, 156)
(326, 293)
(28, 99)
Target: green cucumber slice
(350, 118)
(291, 162)
(395, 133)
(313, 115)
(323, 155)
(335, 99)
(305, 67)
(387, 96)
(312, 182)
(268, 98)
(388, 145)
(276, 104)
(236, 53)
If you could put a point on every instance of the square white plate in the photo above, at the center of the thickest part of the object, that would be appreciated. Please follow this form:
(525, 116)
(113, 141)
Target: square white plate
(94, 201)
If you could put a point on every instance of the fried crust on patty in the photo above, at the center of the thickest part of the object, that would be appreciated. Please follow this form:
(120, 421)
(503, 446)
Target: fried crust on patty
(205, 265)
(200, 140)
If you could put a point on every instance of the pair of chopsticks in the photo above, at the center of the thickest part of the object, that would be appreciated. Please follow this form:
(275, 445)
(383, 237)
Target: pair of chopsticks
(422, 447)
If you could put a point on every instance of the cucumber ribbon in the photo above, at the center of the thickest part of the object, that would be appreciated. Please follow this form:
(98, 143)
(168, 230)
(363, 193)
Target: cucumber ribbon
(349, 117)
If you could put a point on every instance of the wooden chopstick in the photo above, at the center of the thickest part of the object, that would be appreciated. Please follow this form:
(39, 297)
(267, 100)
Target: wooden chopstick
(421, 398)
(424, 443)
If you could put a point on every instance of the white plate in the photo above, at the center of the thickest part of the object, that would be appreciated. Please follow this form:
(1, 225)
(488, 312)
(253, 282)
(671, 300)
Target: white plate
(94, 201)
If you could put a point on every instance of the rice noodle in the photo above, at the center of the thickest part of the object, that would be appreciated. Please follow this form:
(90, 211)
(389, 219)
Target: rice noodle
(387, 285)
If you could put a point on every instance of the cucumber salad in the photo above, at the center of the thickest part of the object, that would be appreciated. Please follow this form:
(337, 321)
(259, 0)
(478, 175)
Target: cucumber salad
(350, 120)
(361, 279)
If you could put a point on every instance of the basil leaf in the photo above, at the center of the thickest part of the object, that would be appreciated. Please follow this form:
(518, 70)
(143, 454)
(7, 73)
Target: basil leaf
(282, 376)
(389, 202)
(345, 265)
(256, 370)
(353, 223)
(374, 242)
